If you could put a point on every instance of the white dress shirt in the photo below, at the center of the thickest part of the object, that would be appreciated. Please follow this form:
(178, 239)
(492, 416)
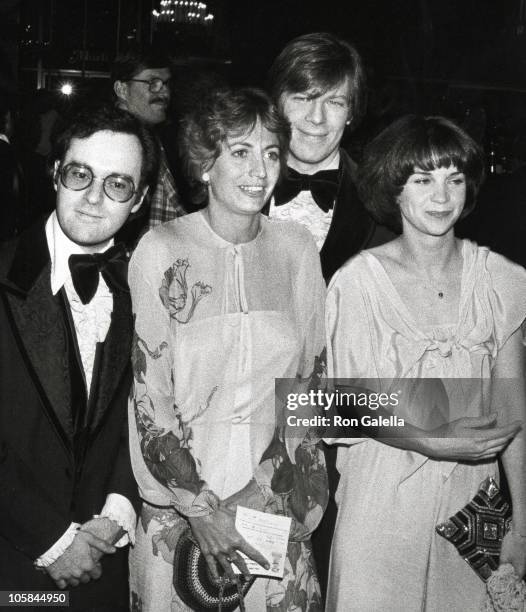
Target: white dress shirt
(303, 209)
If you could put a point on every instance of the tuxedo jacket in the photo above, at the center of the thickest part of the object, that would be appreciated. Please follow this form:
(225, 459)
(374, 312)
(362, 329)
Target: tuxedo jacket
(8, 195)
(51, 475)
(352, 229)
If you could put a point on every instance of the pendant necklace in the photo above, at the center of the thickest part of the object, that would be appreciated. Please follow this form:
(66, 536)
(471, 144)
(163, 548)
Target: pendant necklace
(434, 289)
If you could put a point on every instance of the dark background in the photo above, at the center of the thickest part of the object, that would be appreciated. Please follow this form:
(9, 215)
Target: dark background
(462, 58)
(465, 59)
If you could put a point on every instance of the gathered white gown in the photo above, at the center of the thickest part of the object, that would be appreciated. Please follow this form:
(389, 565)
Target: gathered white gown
(386, 555)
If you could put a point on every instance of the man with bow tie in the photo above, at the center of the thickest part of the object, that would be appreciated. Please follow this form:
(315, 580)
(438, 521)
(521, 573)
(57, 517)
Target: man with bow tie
(67, 508)
(318, 82)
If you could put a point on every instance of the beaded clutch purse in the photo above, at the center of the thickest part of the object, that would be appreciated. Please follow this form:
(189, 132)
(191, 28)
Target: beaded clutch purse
(478, 528)
(195, 585)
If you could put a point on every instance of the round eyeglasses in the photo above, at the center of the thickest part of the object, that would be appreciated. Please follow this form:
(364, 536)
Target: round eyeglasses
(78, 177)
(154, 85)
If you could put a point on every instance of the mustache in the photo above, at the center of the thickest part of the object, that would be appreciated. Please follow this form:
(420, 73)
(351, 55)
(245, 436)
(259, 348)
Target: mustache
(161, 99)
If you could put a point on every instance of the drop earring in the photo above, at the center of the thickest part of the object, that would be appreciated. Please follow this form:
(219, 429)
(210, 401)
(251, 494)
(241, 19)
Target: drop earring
(205, 177)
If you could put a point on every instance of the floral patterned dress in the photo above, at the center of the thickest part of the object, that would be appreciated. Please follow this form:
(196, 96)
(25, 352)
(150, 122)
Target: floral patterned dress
(215, 324)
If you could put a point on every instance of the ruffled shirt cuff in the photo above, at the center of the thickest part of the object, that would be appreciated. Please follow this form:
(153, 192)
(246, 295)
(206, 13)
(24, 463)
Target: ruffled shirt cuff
(119, 509)
(59, 547)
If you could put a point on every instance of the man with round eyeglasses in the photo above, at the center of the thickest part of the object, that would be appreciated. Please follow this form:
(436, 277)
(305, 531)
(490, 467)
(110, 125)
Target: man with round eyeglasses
(146, 95)
(70, 500)
(141, 83)
(78, 177)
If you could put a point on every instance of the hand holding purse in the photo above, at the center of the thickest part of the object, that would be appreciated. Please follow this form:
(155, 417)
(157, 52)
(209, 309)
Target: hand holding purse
(196, 586)
(477, 530)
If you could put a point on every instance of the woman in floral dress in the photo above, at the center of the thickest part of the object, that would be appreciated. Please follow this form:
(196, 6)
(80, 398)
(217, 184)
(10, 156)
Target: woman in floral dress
(225, 302)
(425, 306)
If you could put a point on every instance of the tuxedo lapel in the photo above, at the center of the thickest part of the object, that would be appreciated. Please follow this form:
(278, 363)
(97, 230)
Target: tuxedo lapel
(37, 320)
(115, 357)
(351, 227)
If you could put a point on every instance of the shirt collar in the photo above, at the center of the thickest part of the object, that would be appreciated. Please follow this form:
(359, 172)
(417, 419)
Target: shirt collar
(60, 248)
(4, 138)
(333, 165)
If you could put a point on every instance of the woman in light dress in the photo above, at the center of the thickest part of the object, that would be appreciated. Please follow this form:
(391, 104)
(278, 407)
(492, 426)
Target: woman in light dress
(425, 306)
(225, 302)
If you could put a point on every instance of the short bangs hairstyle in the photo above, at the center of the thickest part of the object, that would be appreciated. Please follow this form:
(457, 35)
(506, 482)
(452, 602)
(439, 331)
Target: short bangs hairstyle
(226, 113)
(90, 118)
(414, 142)
(320, 61)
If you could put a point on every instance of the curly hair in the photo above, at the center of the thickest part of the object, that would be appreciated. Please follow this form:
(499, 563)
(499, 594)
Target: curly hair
(223, 113)
(413, 142)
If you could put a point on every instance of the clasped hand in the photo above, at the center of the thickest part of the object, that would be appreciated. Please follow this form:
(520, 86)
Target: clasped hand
(80, 562)
(220, 542)
(469, 439)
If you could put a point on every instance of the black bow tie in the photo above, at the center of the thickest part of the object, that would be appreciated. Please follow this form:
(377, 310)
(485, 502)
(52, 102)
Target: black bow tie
(323, 186)
(85, 268)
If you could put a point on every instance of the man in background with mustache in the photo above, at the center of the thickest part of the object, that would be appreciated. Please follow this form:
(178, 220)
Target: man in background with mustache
(141, 82)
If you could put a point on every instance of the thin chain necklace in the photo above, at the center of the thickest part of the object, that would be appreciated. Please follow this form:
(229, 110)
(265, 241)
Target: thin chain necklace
(439, 290)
